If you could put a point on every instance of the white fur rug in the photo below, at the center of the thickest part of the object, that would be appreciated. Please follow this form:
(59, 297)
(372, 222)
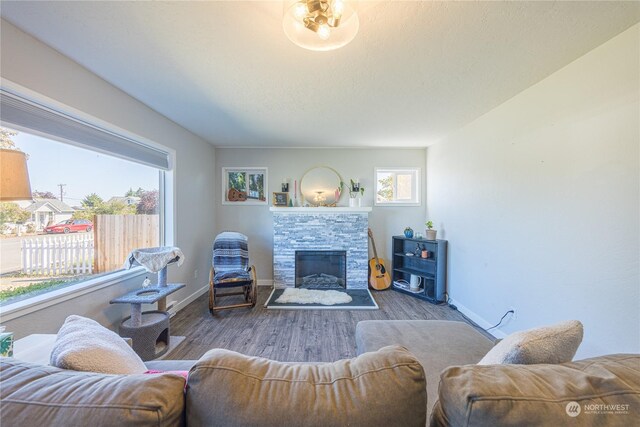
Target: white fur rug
(313, 296)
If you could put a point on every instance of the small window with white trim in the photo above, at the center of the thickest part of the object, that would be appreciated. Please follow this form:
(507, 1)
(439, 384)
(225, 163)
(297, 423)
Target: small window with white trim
(397, 186)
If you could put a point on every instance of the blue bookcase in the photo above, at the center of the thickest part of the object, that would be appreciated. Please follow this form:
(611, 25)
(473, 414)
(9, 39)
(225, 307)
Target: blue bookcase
(432, 271)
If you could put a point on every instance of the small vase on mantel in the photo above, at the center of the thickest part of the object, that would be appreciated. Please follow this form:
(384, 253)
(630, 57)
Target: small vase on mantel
(353, 202)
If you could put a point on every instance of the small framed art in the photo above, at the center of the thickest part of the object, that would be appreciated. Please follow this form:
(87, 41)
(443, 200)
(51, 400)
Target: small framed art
(281, 199)
(244, 186)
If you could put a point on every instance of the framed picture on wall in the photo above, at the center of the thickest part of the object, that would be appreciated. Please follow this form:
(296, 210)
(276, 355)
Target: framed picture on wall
(281, 199)
(244, 186)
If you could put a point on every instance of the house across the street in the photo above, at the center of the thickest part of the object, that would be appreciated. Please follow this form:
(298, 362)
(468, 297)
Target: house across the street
(46, 211)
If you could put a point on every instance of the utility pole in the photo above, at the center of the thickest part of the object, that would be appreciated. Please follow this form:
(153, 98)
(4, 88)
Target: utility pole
(61, 191)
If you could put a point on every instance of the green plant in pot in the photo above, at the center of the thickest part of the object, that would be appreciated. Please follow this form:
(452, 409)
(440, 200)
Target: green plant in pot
(431, 233)
(354, 189)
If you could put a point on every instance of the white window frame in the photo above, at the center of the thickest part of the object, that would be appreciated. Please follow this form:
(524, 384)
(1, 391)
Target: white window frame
(166, 202)
(416, 186)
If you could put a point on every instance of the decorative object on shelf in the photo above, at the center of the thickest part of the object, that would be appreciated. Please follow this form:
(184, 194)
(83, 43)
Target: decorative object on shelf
(14, 183)
(281, 199)
(425, 252)
(285, 187)
(355, 190)
(244, 186)
(418, 250)
(418, 235)
(405, 286)
(408, 232)
(320, 25)
(321, 186)
(6, 343)
(431, 233)
(414, 282)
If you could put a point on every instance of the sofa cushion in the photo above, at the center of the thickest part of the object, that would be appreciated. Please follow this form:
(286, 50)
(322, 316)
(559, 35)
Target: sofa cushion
(540, 395)
(437, 344)
(37, 395)
(85, 345)
(385, 388)
(548, 344)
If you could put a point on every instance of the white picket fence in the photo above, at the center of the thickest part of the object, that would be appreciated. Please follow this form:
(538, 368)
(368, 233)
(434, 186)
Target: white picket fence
(63, 254)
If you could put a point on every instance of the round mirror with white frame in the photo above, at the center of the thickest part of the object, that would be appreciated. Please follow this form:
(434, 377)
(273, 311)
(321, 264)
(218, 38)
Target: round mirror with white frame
(321, 186)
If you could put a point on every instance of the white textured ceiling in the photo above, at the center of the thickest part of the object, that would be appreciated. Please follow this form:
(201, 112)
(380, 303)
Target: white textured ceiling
(415, 72)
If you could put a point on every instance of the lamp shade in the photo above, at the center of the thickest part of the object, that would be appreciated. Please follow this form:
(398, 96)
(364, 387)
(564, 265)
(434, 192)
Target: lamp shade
(14, 176)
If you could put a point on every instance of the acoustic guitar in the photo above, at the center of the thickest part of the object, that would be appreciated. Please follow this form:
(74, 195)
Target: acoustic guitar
(378, 275)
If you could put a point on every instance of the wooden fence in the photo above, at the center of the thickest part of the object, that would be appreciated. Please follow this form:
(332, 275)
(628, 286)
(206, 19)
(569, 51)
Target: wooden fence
(117, 235)
(52, 255)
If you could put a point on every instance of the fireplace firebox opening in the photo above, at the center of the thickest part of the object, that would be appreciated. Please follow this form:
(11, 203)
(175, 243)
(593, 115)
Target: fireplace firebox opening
(321, 269)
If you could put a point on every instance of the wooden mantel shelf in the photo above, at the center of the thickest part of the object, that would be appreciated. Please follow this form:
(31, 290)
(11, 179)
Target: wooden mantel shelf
(323, 210)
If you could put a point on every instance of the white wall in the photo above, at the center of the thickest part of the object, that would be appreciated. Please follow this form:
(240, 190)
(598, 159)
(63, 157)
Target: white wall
(35, 66)
(257, 222)
(539, 199)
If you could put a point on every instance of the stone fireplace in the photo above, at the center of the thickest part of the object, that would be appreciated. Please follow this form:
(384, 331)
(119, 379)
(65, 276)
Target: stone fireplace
(339, 229)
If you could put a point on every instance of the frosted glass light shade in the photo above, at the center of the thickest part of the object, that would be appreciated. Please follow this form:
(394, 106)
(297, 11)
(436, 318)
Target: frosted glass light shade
(14, 176)
(338, 36)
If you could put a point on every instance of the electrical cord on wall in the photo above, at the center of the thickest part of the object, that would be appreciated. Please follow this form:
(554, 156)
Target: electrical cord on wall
(501, 319)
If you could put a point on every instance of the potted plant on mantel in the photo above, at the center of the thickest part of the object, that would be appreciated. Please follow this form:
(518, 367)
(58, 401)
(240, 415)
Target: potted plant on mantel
(431, 233)
(354, 189)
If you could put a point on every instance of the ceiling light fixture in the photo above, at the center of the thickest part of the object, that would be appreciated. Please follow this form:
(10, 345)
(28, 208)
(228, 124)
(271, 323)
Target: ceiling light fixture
(320, 24)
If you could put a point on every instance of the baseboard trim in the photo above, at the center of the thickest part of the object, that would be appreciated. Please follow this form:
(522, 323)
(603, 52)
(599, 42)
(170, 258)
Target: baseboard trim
(191, 298)
(188, 300)
(477, 319)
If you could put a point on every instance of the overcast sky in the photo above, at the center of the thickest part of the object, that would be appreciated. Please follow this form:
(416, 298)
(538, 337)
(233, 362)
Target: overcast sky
(84, 172)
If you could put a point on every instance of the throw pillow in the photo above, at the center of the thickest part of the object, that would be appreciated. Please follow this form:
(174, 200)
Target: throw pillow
(549, 344)
(84, 345)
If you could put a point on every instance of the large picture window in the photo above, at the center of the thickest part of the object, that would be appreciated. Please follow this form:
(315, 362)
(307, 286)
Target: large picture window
(397, 186)
(95, 199)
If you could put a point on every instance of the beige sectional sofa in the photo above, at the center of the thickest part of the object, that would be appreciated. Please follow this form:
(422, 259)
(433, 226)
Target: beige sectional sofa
(224, 388)
(387, 385)
(600, 391)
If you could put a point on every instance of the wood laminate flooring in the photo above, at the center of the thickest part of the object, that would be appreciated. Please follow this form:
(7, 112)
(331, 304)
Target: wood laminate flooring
(292, 335)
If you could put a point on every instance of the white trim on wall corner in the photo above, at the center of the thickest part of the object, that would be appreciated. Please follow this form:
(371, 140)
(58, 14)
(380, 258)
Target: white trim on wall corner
(188, 300)
(478, 320)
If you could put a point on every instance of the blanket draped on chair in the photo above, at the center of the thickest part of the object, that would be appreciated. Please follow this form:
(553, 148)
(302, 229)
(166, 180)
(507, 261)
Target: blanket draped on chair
(231, 257)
